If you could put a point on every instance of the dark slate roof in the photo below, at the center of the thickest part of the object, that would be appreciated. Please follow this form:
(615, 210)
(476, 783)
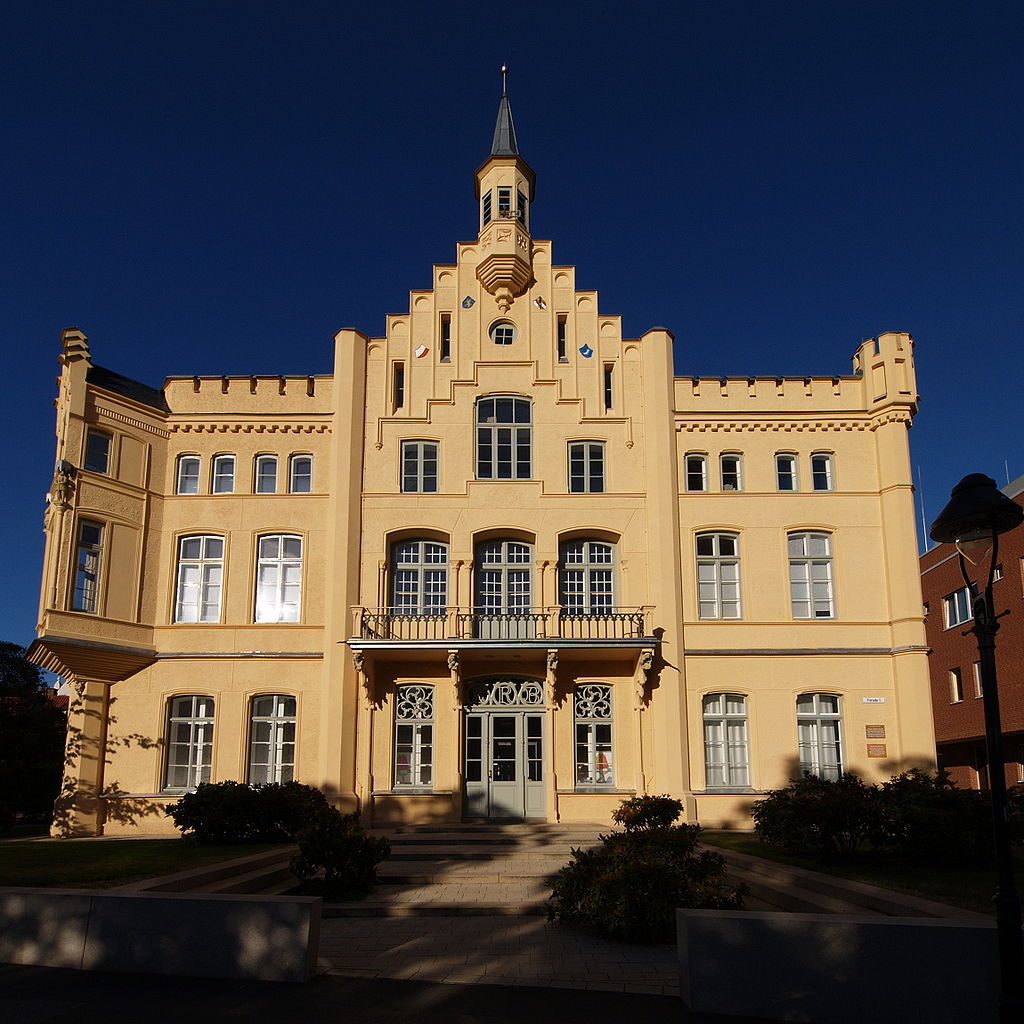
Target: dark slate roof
(504, 143)
(141, 393)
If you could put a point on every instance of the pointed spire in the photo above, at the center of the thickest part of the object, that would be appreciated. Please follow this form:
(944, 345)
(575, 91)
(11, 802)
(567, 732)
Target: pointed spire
(504, 143)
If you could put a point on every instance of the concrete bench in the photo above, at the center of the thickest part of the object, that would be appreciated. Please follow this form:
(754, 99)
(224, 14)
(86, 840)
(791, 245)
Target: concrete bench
(269, 938)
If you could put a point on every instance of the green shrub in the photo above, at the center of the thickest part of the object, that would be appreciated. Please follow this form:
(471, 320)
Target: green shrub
(336, 858)
(630, 887)
(232, 812)
(818, 818)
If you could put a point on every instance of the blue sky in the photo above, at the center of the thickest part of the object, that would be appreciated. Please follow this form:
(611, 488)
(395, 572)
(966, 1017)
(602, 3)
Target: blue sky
(217, 187)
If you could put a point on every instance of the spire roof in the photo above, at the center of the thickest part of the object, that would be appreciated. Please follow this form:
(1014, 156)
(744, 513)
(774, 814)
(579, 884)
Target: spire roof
(505, 143)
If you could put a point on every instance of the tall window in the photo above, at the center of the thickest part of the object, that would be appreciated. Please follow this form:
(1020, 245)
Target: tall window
(785, 471)
(503, 578)
(300, 474)
(485, 208)
(586, 467)
(503, 439)
(272, 739)
(696, 472)
(560, 339)
(521, 207)
(266, 474)
(593, 712)
(810, 575)
(956, 686)
(609, 390)
(419, 577)
(978, 690)
(414, 736)
(188, 474)
(398, 386)
(223, 474)
(718, 576)
(726, 753)
(97, 451)
(189, 742)
(587, 577)
(85, 597)
(504, 203)
(419, 467)
(956, 607)
(446, 337)
(821, 471)
(818, 722)
(279, 578)
(731, 466)
(200, 574)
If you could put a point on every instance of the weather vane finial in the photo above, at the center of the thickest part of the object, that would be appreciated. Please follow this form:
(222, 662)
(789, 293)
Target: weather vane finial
(504, 79)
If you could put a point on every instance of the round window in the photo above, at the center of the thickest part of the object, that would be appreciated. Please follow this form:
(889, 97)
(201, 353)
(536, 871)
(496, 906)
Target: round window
(503, 333)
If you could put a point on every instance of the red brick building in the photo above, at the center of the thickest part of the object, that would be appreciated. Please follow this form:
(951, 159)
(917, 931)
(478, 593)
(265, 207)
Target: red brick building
(953, 662)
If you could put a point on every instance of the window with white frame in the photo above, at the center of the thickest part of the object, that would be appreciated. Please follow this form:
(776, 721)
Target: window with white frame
(587, 578)
(188, 475)
(730, 465)
(810, 575)
(200, 576)
(419, 467)
(592, 704)
(265, 477)
(978, 689)
(88, 553)
(726, 749)
(223, 474)
(696, 469)
(503, 333)
(785, 471)
(278, 578)
(414, 736)
(189, 742)
(503, 439)
(819, 735)
(822, 478)
(718, 576)
(419, 577)
(956, 607)
(272, 739)
(956, 686)
(97, 451)
(300, 474)
(586, 467)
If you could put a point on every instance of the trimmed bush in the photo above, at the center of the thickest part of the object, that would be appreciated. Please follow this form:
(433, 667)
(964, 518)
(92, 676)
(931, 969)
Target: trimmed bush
(336, 858)
(629, 887)
(232, 812)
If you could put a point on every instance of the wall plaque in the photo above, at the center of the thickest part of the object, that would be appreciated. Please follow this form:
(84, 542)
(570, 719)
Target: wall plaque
(874, 732)
(876, 750)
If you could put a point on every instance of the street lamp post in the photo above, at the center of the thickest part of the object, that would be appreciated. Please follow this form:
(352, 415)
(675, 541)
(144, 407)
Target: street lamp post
(977, 513)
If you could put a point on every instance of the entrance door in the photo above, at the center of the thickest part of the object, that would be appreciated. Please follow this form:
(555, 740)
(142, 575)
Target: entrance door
(505, 764)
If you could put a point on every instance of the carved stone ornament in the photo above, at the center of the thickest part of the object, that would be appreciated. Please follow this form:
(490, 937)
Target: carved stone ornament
(453, 661)
(358, 660)
(644, 664)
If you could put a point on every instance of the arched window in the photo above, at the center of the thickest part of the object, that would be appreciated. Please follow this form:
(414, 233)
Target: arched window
(300, 474)
(265, 478)
(503, 589)
(718, 576)
(819, 729)
(223, 481)
(696, 472)
(200, 576)
(272, 739)
(503, 439)
(726, 754)
(414, 736)
(587, 577)
(810, 575)
(822, 475)
(188, 475)
(189, 742)
(731, 466)
(279, 578)
(419, 577)
(785, 471)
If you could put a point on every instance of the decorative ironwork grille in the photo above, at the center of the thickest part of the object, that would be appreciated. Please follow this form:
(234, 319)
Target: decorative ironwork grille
(415, 703)
(505, 693)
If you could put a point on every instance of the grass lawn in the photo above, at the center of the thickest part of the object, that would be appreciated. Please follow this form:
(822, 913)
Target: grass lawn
(961, 883)
(96, 863)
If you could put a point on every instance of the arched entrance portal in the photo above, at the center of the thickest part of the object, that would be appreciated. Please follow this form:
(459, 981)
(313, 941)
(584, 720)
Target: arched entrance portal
(504, 749)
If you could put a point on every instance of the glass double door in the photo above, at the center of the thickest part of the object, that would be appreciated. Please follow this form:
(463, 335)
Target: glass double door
(504, 766)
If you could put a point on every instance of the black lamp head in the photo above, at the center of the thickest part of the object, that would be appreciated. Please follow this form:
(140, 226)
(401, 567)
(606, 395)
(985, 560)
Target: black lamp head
(976, 508)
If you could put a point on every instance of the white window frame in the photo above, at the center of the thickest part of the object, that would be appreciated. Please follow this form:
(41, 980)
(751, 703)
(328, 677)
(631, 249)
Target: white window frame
(419, 577)
(820, 735)
(786, 472)
(979, 690)
(586, 467)
(726, 741)
(506, 442)
(300, 481)
(414, 737)
(272, 718)
(190, 722)
(199, 579)
(278, 578)
(718, 576)
(421, 461)
(503, 332)
(958, 607)
(823, 471)
(594, 736)
(695, 472)
(811, 583)
(85, 594)
(734, 473)
(586, 578)
(264, 478)
(99, 445)
(956, 686)
(222, 475)
(188, 474)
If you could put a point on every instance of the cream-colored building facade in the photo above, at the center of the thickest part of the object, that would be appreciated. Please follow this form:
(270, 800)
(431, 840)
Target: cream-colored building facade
(501, 564)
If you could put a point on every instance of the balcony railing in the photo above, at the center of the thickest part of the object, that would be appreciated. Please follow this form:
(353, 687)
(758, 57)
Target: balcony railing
(556, 623)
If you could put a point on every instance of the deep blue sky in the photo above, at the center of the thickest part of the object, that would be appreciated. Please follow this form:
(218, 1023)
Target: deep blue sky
(217, 187)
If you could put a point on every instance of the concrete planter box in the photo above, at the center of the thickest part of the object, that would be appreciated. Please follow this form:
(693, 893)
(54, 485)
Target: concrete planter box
(269, 938)
(838, 969)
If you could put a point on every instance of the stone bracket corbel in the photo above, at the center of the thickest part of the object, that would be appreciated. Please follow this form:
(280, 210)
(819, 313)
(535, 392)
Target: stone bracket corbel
(643, 666)
(549, 678)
